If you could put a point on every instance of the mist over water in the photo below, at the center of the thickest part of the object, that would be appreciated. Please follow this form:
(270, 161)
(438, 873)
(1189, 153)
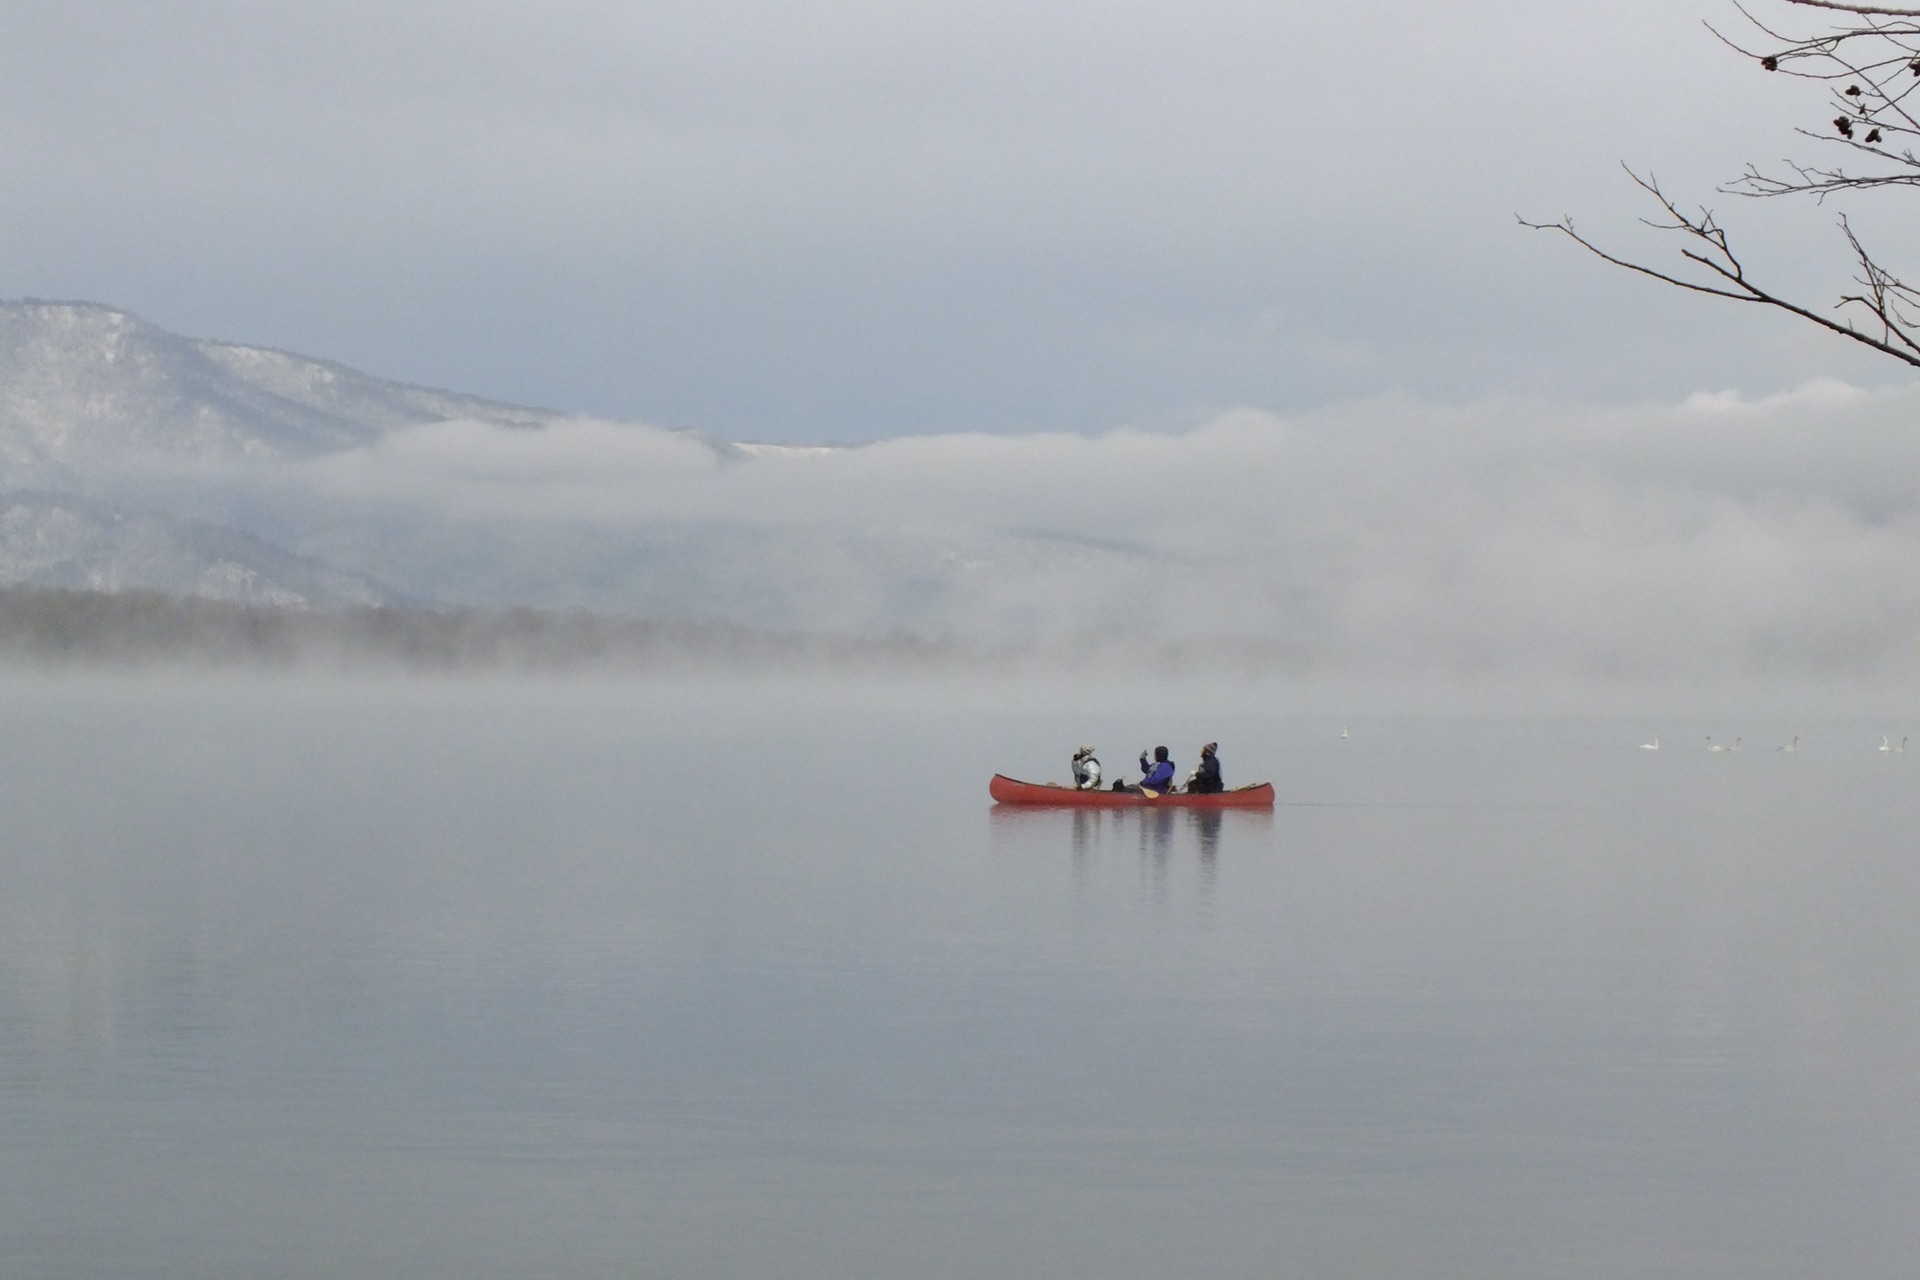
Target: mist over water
(1769, 540)
(746, 977)
(442, 837)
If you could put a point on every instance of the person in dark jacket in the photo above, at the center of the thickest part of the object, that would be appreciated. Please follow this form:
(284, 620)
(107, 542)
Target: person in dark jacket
(1206, 775)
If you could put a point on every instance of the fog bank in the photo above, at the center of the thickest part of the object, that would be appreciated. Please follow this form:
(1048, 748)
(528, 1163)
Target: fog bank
(1771, 538)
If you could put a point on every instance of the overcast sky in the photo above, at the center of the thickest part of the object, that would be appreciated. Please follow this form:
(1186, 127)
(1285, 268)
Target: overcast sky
(815, 220)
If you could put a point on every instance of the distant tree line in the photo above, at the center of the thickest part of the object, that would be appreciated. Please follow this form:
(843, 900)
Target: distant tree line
(50, 627)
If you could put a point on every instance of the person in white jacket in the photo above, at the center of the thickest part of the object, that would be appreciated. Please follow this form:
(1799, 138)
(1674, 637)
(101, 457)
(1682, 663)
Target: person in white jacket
(1086, 770)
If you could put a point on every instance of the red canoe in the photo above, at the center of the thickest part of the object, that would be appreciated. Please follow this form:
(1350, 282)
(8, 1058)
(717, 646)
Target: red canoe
(1012, 791)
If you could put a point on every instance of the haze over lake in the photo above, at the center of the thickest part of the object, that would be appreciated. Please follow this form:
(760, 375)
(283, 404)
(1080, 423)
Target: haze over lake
(747, 978)
(1766, 538)
(525, 530)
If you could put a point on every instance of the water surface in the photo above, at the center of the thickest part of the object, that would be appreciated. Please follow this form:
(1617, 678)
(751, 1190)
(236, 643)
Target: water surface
(304, 979)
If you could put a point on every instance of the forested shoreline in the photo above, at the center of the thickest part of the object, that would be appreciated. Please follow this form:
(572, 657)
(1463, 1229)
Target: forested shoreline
(42, 626)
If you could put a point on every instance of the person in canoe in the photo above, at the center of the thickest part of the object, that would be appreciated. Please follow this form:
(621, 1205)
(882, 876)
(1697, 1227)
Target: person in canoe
(1086, 770)
(1205, 778)
(1158, 774)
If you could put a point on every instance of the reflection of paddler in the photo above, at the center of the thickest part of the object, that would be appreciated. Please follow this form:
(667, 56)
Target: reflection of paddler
(1086, 770)
(1207, 823)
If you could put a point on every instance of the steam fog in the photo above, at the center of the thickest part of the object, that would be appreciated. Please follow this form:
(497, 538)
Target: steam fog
(446, 837)
(1775, 538)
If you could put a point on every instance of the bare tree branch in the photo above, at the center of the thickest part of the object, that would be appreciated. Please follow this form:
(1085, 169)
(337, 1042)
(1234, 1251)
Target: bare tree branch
(1877, 82)
(1869, 62)
(1858, 8)
(1820, 183)
(1884, 297)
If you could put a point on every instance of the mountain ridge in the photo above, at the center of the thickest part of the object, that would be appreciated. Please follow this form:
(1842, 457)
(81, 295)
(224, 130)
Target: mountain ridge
(95, 401)
(85, 381)
(61, 541)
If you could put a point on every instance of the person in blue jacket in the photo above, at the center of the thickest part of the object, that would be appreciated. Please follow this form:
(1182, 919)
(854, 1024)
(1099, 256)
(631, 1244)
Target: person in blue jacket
(1159, 774)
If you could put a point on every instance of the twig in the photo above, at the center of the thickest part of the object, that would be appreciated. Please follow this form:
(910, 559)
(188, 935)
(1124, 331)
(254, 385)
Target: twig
(1885, 292)
(1870, 9)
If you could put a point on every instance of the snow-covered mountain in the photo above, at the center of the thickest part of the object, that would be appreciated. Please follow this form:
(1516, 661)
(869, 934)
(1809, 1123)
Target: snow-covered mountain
(80, 383)
(52, 541)
(92, 398)
(135, 458)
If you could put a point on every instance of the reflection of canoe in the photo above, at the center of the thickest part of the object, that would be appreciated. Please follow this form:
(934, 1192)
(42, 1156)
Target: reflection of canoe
(1012, 791)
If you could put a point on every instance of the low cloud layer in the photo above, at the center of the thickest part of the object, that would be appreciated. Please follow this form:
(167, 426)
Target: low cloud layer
(1714, 537)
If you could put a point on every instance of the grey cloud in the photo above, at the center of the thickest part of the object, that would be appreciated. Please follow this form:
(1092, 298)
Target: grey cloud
(852, 221)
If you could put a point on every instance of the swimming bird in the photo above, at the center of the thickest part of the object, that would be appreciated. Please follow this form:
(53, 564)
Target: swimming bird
(1651, 746)
(1344, 733)
(1722, 746)
(1794, 745)
(1884, 744)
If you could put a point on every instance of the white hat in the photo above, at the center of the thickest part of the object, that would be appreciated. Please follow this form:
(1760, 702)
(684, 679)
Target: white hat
(1083, 753)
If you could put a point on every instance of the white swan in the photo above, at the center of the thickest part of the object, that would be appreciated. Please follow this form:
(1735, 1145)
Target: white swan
(1344, 733)
(1884, 744)
(1651, 746)
(1794, 745)
(1903, 745)
(1722, 746)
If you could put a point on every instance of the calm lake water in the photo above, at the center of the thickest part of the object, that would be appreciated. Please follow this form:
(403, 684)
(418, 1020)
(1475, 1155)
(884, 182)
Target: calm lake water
(327, 979)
